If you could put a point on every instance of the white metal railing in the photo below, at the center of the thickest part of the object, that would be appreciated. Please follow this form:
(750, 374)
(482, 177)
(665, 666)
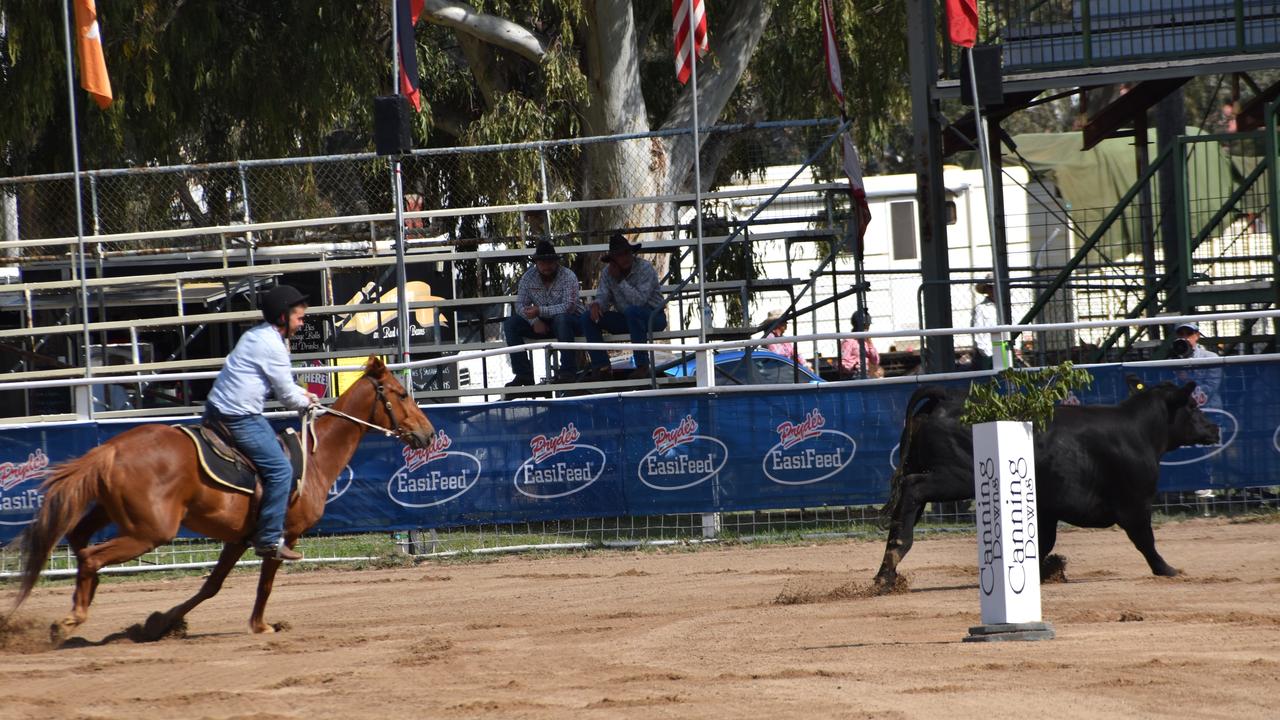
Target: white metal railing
(703, 353)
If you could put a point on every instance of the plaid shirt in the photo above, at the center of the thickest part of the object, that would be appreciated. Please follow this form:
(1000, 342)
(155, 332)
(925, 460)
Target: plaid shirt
(560, 297)
(638, 288)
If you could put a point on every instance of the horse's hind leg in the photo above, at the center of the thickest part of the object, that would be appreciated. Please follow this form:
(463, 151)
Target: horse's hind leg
(89, 561)
(161, 623)
(78, 539)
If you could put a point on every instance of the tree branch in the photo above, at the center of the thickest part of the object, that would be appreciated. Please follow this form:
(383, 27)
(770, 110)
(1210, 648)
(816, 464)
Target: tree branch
(487, 28)
(481, 60)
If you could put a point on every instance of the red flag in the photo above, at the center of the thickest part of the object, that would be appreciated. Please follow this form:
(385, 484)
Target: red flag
(962, 22)
(857, 191)
(680, 27)
(407, 14)
(831, 52)
(93, 66)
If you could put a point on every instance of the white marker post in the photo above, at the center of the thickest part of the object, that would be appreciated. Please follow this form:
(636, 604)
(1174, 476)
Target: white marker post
(1004, 481)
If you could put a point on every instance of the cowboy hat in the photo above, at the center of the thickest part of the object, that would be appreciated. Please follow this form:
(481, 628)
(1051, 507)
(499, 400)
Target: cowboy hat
(545, 251)
(617, 245)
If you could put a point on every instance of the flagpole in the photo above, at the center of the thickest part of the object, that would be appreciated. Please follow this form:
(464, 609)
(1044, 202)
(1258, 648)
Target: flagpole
(692, 44)
(75, 167)
(999, 346)
(397, 183)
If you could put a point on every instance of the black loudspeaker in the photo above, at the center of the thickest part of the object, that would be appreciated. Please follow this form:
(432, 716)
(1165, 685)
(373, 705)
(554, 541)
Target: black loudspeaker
(986, 61)
(391, 134)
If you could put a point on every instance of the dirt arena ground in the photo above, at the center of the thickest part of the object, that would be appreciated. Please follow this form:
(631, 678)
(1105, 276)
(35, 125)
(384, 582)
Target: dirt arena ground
(727, 632)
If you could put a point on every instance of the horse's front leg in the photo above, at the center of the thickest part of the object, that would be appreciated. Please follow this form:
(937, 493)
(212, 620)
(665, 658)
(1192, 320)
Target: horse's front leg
(266, 579)
(161, 623)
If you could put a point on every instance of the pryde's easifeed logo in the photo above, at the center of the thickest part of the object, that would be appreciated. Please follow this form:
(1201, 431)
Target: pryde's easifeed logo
(681, 458)
(806, 453)
(433, 475)
(18, 505)
(559, 466)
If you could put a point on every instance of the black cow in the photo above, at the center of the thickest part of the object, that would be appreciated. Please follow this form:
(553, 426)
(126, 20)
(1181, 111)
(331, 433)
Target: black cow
(1096, 466)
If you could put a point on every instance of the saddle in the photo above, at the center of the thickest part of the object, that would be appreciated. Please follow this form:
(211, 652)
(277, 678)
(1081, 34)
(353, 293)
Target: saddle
(230, 468)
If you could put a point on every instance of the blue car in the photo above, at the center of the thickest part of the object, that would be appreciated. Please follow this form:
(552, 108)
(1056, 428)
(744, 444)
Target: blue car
(740, 367)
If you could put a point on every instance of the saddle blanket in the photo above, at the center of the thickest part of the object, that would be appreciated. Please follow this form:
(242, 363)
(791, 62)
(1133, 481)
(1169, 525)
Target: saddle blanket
(228, 467)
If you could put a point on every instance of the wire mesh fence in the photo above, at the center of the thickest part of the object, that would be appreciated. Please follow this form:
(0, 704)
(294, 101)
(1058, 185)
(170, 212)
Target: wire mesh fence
(860, 522)
(191, 197)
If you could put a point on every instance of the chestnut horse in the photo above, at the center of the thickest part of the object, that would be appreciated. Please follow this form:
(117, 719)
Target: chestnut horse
(148, 481)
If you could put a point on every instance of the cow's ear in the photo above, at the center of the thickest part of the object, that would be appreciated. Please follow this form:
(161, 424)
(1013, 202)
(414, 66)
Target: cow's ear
(1187, 389)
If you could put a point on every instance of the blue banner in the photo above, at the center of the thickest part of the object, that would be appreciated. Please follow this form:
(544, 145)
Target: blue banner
(810, 446)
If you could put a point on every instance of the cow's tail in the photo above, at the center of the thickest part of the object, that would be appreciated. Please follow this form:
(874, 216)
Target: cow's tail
(68, 493)
(922, 402)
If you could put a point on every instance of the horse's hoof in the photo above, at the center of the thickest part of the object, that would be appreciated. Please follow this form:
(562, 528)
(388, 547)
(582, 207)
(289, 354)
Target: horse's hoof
(1168, 571)
(61, 630)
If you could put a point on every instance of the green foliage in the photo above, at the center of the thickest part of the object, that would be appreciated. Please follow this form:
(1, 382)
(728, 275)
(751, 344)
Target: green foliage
(1023, 395)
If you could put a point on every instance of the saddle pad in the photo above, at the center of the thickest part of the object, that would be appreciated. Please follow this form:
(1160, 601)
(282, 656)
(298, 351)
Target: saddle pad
(239, 474)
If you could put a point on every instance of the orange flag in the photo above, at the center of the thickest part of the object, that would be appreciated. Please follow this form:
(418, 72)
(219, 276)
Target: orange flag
(93, 66)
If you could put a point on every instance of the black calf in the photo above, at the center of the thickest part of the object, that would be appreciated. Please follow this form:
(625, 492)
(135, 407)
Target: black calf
(1096, 466)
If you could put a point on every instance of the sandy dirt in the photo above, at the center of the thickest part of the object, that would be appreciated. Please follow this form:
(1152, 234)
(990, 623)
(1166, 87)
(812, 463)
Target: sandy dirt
(727, 632)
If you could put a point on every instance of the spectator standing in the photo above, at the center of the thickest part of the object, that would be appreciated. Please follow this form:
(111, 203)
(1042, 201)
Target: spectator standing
(546, 306)
(983, 315)
(626, 298)
(852, 351)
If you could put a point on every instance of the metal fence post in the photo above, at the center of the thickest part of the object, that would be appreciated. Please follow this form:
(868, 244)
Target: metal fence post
(705, 368)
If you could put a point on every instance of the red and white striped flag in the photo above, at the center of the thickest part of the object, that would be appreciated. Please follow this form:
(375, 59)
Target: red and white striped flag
(831, 52)
(857, 191)
(680, 28)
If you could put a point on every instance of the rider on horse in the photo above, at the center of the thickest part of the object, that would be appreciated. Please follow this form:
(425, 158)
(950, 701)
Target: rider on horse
(257, 368)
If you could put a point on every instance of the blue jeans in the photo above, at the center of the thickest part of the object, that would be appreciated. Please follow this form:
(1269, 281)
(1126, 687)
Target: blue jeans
(257, 440)
(516, 330)
(632, 320)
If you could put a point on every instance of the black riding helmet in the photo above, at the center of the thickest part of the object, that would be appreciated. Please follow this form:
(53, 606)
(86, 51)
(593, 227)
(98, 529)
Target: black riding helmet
(280, 300)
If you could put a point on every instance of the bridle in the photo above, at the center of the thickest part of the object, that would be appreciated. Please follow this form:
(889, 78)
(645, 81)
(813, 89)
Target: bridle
(381, 393)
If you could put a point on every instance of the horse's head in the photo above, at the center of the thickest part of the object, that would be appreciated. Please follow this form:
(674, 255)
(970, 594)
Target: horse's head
(394, 408)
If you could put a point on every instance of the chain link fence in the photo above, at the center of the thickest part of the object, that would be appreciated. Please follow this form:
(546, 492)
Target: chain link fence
(861, 522)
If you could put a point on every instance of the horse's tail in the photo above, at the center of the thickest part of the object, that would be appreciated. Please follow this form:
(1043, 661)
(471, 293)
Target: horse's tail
(922, 402)
(68, 493)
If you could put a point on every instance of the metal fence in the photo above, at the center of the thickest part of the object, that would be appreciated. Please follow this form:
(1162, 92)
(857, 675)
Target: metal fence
(1042, 34)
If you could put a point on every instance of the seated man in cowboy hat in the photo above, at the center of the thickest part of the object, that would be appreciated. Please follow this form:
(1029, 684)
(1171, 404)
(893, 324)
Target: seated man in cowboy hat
(628, 285)
(546, 306)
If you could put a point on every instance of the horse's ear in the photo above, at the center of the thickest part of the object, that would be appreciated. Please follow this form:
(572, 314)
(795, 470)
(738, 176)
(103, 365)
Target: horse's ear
(375, 366)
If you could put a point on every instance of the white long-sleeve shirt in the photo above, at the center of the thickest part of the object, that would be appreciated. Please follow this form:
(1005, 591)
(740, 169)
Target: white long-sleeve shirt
(984, 315)
(257, 368)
